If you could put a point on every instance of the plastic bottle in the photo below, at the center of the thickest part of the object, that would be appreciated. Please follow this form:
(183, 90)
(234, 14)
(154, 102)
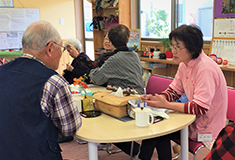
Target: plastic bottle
(146, 81)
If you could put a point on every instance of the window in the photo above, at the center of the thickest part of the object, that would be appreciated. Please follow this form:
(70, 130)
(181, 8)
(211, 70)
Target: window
(199, 12)
(158, 17)
(155, 18)
(87, 6)
(89, 44)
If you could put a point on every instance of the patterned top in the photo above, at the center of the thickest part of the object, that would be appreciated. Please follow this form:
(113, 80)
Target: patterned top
(57, 103)
(121, 70)
(224, 146)
(94, 64)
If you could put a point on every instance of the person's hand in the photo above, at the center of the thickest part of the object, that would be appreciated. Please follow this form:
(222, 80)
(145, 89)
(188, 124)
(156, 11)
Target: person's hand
(157, 101)
(73, 52)
(69, 67)
(148, 97)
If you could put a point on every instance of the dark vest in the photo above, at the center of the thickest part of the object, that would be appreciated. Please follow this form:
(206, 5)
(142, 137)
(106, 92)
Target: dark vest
(26, 133)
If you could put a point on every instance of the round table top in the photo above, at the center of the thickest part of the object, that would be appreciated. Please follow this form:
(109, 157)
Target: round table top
(106, 129)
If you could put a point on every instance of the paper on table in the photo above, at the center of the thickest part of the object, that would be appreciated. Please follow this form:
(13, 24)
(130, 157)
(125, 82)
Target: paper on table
(159, 112)
(118, 93)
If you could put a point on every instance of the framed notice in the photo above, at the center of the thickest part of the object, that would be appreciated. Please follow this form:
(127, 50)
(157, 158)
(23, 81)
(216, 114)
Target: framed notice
(223, 47)
(134, 40)
(224, 27)
(6, 3)
(224, 8)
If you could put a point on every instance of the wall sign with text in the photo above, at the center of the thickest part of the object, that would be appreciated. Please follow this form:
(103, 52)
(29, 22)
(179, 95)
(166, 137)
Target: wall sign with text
(6, 3)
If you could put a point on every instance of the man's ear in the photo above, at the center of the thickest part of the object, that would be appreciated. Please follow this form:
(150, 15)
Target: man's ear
(48, 49)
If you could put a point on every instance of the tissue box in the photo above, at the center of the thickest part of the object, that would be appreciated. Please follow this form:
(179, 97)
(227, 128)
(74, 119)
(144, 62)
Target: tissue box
(77, 98)
(112, 105)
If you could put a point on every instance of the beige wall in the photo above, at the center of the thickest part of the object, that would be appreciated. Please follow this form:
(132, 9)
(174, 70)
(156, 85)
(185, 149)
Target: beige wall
(52, 11)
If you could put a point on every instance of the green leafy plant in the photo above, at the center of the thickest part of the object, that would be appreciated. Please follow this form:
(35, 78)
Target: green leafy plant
(166, 43)
(158, 25)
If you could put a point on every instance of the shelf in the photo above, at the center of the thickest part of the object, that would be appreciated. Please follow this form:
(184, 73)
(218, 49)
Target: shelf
(228, 68)
(116, 7)
(123, 8)
(158, 60)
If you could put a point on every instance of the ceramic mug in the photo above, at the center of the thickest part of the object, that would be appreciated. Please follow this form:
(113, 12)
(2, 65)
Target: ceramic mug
(142, 117)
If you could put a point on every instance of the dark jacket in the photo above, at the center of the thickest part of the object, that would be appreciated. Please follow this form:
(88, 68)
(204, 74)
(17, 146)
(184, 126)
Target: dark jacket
(25, 131)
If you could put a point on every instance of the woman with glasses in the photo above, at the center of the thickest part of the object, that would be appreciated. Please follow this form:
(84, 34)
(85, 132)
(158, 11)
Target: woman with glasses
(203, 82)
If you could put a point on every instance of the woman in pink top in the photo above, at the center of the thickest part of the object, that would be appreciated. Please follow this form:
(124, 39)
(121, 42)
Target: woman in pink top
(204, 84)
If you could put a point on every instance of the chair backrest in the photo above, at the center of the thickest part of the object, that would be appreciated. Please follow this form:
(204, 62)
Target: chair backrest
(231, 104)
(157, 84)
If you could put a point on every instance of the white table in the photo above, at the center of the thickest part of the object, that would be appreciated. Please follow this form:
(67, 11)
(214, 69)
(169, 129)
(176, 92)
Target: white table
(106, 129)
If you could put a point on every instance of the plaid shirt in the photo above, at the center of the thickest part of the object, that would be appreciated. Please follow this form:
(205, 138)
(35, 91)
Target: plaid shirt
(224, 146)
(57, 102)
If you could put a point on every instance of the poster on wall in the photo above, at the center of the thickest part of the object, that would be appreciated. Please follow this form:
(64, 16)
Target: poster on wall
(17, 19)
(224, 27)
(134, 40)
(6, 3)
(224, 8)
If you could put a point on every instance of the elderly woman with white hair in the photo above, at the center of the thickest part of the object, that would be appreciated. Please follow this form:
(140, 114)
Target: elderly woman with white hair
(76, 68)
(82, 64)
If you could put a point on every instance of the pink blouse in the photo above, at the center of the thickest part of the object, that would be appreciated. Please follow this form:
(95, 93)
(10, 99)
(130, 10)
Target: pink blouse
(203, 82)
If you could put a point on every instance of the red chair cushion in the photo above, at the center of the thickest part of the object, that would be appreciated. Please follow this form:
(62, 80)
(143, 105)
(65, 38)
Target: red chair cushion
(157, 84)
(192, 145)
(231, 104)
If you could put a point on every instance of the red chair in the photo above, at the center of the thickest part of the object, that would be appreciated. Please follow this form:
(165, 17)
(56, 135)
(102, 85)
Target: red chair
(157, 84)
(195, 146)
(231, 104)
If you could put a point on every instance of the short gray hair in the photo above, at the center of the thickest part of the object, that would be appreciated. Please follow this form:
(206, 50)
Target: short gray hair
(39, 34)
(74, 42)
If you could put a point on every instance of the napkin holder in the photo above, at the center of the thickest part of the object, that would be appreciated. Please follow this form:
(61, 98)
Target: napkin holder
(112, 105)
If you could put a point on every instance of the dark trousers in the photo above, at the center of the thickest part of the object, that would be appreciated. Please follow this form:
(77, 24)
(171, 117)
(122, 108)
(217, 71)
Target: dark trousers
(126, 147)
(162, 145)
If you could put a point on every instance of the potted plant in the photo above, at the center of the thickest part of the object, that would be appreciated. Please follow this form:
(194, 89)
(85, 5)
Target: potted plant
(166, 43)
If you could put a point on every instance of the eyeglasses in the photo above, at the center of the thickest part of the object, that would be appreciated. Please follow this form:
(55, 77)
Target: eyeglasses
(107, 39)
(176, 48)
(62, 47)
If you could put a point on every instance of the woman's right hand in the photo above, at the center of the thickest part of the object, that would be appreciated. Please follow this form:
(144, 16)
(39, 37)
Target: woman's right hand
(69, 67)
(157, 101)
(148, 97)
(73, 51)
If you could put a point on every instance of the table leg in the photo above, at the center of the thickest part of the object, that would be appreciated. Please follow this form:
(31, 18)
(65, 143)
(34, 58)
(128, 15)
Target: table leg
(184, 143)
(132, 145)
(93, 151)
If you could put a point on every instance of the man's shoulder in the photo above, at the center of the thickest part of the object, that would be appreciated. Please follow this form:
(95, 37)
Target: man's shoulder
(57, 81)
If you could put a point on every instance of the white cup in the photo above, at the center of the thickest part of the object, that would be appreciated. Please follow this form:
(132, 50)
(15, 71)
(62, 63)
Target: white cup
(142, 117)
